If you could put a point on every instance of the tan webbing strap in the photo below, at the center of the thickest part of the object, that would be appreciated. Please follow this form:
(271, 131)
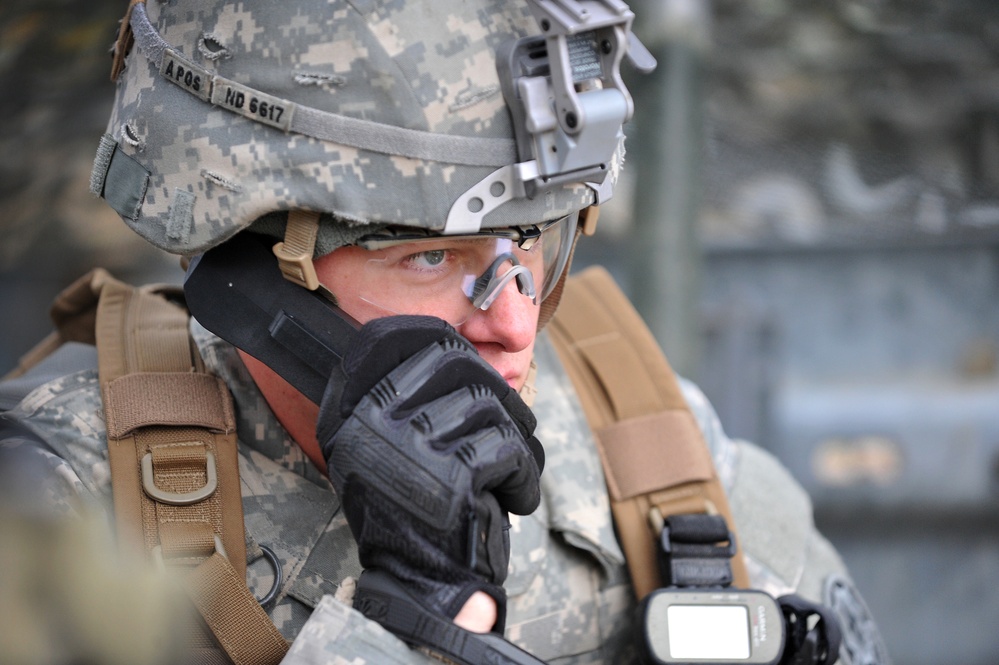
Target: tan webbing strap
(655, 458)
(174, 464)
(231, 615)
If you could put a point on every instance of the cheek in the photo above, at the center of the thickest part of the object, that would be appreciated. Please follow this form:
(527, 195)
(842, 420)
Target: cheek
(342, 273)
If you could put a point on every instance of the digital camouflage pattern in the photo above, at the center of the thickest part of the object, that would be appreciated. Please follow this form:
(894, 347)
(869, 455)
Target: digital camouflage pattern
(570, 603)
(187, 171)
(570, 598)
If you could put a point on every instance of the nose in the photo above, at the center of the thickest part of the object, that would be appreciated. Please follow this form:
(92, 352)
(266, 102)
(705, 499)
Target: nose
(503, 270)
(511, 321)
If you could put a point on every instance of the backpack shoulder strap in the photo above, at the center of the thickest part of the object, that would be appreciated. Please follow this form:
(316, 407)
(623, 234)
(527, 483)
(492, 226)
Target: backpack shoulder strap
(172, 452)
(656, 461)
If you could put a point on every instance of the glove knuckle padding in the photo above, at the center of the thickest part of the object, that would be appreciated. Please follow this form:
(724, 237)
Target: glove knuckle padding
(385, 344)
(428, 449)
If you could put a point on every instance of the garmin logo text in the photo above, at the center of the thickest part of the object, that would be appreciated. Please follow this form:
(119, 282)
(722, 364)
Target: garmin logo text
(761, 620)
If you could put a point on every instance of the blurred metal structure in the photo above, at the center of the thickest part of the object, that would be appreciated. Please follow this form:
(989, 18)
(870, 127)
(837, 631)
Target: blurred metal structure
(664, 271)
(851, 284)
(844, 290)
(875, 370)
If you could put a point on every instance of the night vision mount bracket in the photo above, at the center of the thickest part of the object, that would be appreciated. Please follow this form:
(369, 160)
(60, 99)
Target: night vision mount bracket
(567, 101)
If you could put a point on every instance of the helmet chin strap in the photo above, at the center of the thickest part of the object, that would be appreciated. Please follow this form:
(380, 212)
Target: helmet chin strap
(294, 254)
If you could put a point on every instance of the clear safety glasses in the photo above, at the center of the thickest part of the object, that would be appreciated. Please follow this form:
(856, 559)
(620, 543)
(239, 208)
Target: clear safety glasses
(452, 276)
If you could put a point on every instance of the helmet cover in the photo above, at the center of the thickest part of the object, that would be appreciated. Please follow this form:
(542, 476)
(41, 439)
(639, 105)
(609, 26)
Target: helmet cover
(371, 112)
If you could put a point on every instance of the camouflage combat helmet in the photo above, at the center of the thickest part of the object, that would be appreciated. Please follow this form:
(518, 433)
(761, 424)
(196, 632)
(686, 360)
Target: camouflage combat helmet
(370, 112)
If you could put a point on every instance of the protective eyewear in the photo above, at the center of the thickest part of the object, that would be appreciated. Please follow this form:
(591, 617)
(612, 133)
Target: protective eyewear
(413, 272)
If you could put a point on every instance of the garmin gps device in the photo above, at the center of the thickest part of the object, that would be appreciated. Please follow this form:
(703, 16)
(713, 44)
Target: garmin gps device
(699, 617)
(711, 626)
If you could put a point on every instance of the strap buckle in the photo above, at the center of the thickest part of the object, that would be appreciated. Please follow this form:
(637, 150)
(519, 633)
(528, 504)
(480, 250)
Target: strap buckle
(297, 267)
(696, 550)
(179, 498)
(294, 254)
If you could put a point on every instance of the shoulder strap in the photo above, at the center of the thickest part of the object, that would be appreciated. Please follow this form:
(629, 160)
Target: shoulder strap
(173, 457)
(655, 459)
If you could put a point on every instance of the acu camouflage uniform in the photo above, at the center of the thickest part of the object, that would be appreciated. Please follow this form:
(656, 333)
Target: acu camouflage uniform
(570, 598)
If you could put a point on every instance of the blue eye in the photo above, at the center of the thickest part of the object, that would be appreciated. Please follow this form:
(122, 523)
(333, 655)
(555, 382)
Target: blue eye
(429, 259)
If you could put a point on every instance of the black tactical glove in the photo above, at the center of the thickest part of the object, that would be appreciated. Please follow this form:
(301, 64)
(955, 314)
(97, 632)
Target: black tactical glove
(428, 448)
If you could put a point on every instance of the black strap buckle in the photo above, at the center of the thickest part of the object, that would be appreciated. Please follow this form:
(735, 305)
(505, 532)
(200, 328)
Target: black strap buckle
(696, 550)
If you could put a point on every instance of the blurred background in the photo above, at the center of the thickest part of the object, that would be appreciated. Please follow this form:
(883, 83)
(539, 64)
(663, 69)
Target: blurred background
(809, 220)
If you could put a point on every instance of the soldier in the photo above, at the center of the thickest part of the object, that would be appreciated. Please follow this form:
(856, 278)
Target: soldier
(407, 162)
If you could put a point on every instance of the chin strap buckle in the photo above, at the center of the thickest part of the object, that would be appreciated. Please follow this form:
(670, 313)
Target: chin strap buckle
(295, 253)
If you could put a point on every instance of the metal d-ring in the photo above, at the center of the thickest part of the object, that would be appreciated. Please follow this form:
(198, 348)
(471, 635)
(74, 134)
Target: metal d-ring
(268, 554)
(177, 498)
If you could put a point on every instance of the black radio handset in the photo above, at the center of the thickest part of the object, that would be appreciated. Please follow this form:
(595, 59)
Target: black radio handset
(236, 290)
